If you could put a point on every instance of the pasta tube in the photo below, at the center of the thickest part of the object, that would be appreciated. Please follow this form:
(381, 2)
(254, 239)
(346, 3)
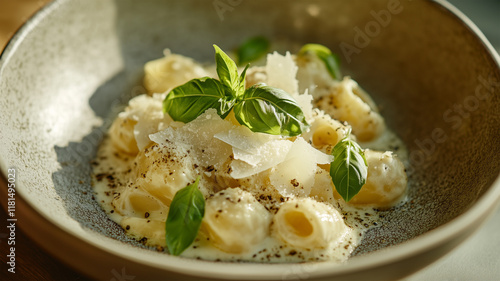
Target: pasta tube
(235, 221)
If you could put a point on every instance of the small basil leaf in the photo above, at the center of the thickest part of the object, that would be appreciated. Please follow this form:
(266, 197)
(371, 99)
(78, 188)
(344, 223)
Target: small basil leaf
(188, 101)
(349, 168)
(226, 70)
(241, 86)
(330, 60)
(252, 49)
(270, 110)
(184, 218)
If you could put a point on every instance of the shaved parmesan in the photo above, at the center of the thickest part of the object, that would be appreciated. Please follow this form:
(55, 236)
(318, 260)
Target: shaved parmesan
(199, 134)
(267, 156)
(253, 152)
(242, 138)
(295, 175)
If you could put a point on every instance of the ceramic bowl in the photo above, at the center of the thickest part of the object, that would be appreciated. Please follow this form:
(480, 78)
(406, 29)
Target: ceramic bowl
(433, 73)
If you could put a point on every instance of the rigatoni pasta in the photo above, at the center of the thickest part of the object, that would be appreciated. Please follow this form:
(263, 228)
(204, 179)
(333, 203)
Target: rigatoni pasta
(309, 224)
(172, 70)
(235, 221)
(344, 102)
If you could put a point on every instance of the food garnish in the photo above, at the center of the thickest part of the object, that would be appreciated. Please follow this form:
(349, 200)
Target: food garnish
(261, 108)
(349, 167)
(184, 218)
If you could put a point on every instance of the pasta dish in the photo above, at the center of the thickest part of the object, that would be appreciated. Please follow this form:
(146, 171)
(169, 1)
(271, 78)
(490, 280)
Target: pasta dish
(268, 193)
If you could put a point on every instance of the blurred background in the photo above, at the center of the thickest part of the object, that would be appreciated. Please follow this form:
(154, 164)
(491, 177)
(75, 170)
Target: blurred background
(485, 14)
(476, 259)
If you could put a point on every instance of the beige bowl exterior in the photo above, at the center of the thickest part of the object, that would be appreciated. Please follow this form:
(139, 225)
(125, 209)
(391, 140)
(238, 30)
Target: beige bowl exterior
(433, 73)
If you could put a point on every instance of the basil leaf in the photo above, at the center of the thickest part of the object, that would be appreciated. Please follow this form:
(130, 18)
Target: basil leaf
(252, 49)
(330, 60)
(349, 168)
(184, 218)
(227, 70)
(188, 101)
(270, 110)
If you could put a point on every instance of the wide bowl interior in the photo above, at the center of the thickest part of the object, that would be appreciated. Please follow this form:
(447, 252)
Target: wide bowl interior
(435, 79)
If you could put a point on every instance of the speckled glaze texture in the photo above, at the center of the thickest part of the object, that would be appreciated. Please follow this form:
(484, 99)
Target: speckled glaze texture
(68, 69)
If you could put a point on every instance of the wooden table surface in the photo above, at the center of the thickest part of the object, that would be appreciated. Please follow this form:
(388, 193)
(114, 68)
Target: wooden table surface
(32, 263)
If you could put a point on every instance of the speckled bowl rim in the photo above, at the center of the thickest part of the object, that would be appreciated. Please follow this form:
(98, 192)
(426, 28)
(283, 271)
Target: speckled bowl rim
(425, 242)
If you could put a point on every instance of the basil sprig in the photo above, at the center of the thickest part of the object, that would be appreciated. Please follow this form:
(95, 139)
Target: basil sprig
(261, 108)
(330, 60)
(252, 49)
(349, 168)
(184, 218)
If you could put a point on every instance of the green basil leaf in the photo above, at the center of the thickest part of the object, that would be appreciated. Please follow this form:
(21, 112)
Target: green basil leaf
(349, 168)
(184, 218)
(270, 110)
(188, 101)
(252, 49)
(227, 70)
(330, 60)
